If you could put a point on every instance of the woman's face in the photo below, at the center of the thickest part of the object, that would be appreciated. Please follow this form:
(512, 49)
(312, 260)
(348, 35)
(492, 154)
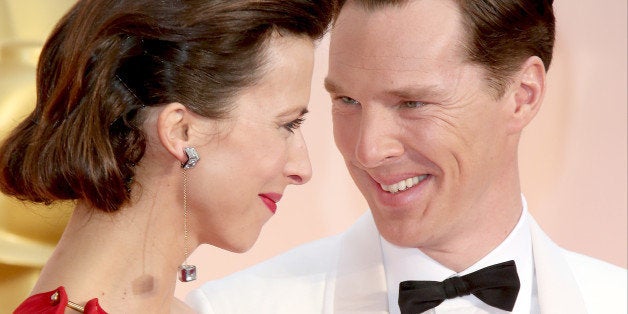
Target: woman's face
(244, 170)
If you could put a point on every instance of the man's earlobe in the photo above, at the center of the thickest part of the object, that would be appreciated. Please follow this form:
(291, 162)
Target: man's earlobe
(528, 96)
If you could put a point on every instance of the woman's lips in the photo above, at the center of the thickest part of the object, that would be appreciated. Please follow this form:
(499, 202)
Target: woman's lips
(270, 200)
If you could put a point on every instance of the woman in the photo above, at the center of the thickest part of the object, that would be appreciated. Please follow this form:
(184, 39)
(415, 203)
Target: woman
(172, 124)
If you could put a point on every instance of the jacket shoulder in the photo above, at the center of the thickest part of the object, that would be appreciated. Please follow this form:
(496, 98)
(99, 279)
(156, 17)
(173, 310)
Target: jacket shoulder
(293, 282)
(604, 286)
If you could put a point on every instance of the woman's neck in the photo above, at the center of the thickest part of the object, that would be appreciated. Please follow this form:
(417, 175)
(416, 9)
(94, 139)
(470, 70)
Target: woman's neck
(127, 259)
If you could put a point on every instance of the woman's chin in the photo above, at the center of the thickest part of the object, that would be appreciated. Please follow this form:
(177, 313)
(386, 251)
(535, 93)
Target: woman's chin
(237, 246)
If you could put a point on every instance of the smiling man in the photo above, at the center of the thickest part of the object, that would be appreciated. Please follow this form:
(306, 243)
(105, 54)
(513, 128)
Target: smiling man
(430, 98)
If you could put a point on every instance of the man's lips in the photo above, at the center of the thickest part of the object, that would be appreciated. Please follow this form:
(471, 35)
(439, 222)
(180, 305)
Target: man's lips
(404, 184)
(270, 200)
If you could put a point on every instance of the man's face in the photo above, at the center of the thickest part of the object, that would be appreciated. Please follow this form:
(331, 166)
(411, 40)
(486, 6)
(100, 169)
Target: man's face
(421, 134)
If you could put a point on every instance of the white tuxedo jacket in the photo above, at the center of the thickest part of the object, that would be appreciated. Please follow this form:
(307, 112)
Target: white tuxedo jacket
(345, 274)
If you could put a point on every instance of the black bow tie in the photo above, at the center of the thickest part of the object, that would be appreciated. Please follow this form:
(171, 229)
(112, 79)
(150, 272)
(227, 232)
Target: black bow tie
(496, 285)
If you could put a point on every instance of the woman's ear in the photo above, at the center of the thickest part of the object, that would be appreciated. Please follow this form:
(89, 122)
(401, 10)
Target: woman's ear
(173, 123)
(529, 85)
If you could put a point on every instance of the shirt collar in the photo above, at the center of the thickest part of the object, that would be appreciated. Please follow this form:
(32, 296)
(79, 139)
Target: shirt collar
(411, 264)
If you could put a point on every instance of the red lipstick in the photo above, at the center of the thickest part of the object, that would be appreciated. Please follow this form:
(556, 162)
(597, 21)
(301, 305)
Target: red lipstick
(270, 200)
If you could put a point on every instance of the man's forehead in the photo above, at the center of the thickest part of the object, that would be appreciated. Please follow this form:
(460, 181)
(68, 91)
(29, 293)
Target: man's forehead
(406, 34)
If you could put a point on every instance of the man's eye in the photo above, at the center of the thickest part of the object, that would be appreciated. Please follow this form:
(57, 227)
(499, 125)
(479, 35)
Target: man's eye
(349, 100)
(294, 124)
(412, 104)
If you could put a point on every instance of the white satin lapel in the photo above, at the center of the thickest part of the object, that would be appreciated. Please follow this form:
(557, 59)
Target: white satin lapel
(360, 280)
(557, 288)
(359, 283)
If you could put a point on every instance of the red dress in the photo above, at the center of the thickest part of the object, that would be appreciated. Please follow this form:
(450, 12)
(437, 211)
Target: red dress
(54, 302)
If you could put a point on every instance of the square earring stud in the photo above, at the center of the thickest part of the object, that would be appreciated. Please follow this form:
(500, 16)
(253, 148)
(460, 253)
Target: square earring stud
(193, 158)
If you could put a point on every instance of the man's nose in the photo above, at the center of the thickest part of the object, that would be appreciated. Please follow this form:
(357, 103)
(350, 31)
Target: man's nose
(378, 139)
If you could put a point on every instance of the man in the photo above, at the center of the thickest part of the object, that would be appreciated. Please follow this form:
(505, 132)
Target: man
(429, 100)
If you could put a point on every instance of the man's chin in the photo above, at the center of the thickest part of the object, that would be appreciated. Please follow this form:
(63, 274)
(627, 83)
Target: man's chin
(398, 234)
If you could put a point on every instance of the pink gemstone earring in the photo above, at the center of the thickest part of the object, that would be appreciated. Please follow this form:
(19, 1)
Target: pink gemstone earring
(187, 272)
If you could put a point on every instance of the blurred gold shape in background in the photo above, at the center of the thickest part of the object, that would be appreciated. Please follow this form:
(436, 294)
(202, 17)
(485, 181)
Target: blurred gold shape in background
(28, 232)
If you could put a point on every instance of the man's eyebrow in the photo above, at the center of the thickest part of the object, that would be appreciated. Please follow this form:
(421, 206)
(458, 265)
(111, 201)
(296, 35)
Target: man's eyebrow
(330, 86)
(414, 91)
(405, 92)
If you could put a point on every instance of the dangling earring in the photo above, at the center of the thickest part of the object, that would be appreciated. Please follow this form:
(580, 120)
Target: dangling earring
(187, 272)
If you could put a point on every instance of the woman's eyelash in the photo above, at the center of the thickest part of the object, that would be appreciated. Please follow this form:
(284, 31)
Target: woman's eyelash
(294, 124)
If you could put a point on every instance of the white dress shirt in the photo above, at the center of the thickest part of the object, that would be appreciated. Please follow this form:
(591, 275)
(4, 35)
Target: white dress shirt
(403, 264)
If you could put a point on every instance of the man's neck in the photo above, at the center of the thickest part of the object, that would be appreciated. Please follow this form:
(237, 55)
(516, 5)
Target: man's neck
(481, 236)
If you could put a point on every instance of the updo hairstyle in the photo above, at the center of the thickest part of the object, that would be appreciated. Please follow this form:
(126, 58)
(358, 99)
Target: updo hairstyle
(107, 59)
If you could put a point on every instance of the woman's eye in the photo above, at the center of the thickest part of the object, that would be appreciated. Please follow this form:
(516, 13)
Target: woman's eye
(412, 104)
(294, 124)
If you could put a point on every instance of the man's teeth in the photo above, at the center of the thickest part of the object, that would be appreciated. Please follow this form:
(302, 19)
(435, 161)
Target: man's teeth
(403, 184)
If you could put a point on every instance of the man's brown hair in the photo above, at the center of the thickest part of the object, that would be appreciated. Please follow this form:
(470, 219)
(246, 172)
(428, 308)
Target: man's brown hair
(501, 34)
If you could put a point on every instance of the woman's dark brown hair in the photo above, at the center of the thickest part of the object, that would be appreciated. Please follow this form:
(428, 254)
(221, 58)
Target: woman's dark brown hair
(107, 59)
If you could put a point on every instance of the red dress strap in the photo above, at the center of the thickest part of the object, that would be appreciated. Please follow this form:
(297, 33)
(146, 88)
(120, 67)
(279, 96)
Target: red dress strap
(54, 302)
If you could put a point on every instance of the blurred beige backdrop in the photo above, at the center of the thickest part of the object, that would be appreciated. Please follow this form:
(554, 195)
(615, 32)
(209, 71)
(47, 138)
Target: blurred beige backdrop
(573, 155)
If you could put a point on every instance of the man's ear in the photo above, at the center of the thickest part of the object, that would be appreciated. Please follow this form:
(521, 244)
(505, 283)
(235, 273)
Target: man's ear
(529, 89)
(173, 123)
